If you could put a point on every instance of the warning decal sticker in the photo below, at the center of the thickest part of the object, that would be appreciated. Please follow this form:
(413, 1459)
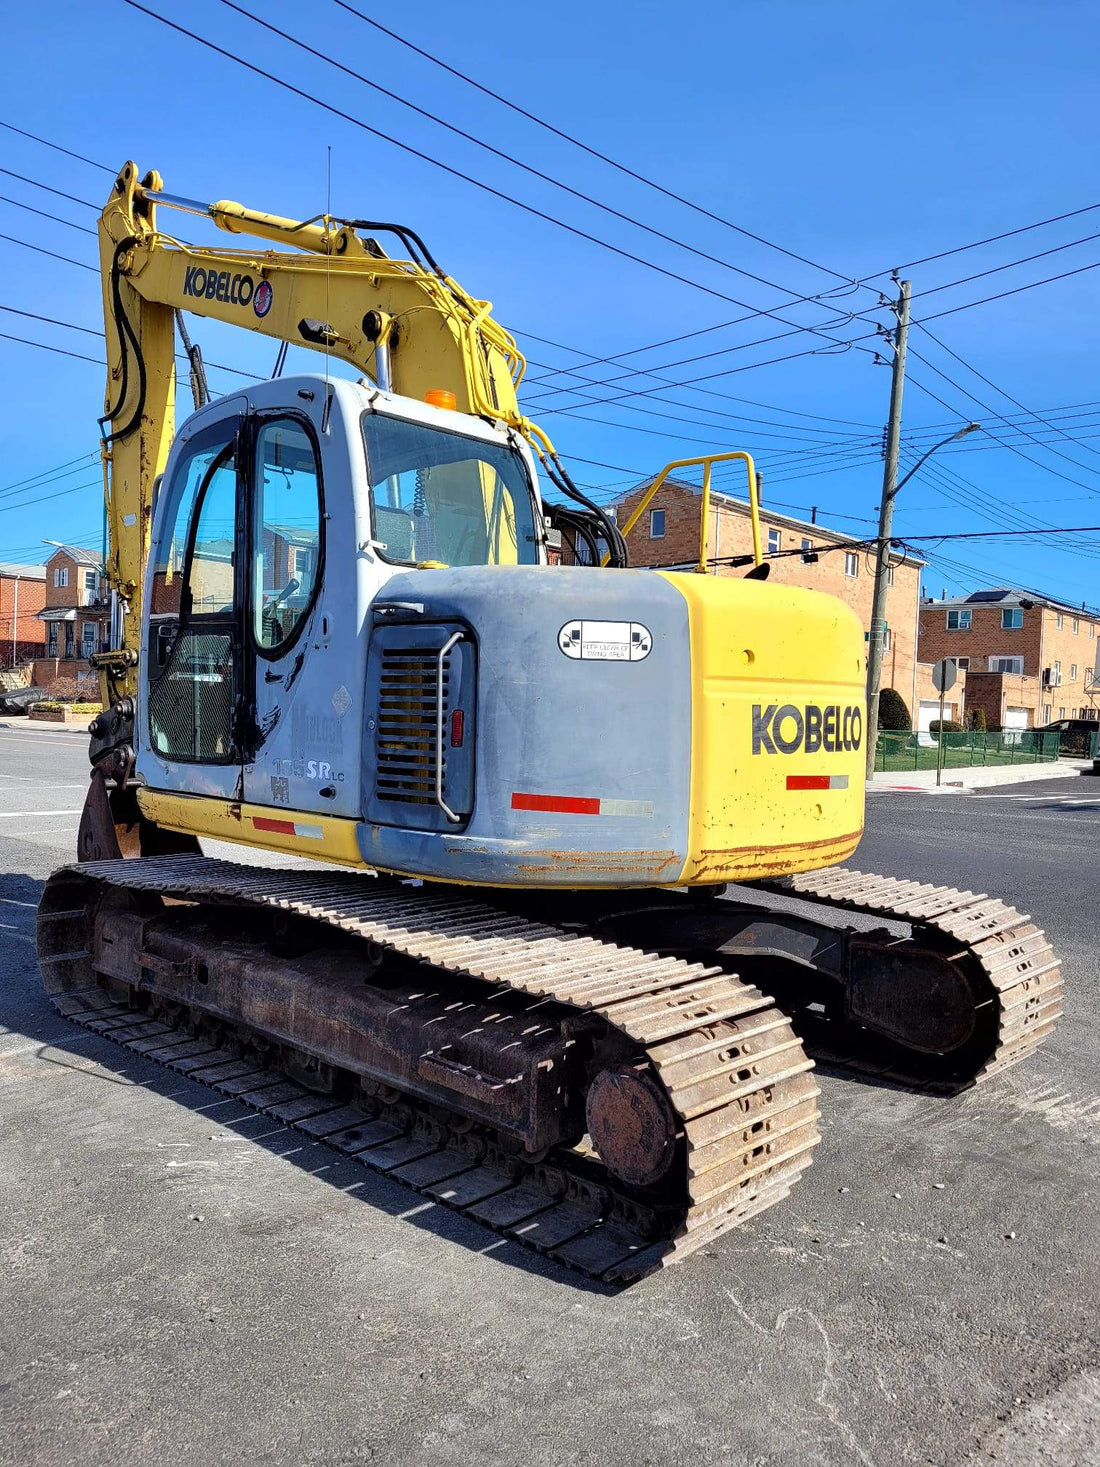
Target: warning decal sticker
(605, 641)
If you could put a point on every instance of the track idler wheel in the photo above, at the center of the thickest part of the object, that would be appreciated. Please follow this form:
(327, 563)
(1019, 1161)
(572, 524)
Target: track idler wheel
(632, 1124)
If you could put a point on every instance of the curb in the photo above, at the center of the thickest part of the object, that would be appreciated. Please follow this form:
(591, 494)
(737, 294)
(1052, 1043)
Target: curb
(963, 781)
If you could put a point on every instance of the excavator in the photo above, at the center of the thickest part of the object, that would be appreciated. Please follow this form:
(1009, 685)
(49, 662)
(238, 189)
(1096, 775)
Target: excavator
(571, 925)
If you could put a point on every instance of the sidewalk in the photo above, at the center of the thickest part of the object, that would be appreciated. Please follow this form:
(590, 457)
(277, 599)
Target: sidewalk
(38, 726)
(954, 780)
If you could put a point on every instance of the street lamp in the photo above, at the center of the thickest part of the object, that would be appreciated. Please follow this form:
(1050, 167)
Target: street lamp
(954, 438)
(878, 601)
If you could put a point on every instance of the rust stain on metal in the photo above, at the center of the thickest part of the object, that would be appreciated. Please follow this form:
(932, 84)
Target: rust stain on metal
(632, 1123)
(774, 860)
(645, 863)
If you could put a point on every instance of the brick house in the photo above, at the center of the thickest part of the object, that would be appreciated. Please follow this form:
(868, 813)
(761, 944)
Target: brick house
(22, 597)
(1028, 659)
(76, 613)
(828, 560)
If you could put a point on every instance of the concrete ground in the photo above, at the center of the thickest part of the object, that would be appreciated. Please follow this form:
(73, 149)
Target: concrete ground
(184, 1282)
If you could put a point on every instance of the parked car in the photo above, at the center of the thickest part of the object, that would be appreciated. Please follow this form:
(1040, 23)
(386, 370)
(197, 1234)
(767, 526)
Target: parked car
(20, 699)
(1074, 735)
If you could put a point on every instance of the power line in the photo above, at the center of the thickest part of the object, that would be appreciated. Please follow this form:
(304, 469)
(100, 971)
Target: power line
(58, 350)
(27, 503)
(1011, 265)
(38, 249)
(57, 147)
(594, 152)
(1046, 468)
(90, 331)
(427, 157)
(1030, 413)
(510, 158)
(641, 372)
(48, 188)
(42, 214)
(46, 479)
(1003, 295)
(994, 238)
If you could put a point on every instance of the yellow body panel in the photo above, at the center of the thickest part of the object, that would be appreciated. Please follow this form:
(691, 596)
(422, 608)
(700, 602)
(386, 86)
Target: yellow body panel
(327, 839)
(800, 654)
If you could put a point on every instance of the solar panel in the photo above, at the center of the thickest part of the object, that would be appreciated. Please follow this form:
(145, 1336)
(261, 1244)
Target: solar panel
(988, 595)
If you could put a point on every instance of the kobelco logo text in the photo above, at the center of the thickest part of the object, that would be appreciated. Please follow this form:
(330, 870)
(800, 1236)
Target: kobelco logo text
(787, 729)
(220, 285)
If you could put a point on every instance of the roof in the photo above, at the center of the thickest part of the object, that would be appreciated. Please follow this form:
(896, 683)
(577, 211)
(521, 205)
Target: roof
(1001, 596)
(79, 554)
(24, 572)
(773, 516)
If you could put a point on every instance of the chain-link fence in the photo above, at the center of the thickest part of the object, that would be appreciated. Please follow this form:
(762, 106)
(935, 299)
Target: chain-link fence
(969, 749)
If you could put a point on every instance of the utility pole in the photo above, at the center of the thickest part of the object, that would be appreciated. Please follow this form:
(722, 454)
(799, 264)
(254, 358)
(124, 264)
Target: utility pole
(885, 523)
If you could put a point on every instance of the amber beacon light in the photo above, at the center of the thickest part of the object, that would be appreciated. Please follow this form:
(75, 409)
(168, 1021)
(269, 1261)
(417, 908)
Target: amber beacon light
(441, 397)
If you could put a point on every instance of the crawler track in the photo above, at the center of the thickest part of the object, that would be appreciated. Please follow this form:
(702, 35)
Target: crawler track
(726, 1057)
(1017, 974)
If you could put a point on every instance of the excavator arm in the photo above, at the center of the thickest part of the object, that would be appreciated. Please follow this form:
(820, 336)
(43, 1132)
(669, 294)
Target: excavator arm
(403, 322)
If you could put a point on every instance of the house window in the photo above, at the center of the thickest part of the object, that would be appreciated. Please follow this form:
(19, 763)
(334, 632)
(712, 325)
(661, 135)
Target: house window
(807, 544)
(1056, 673)
(1092, 629)
(61, 575)
(774, 541)
(1073, 672)
(89, 582)
(1076, 625)
(303, 561)
(656, 524)
(87, 639)
(963, 664)
(1047, 711)
(851, 563)
(1061, 713)
(1006, 664)
(1012, 619)
(958, 621)
(1058, 621)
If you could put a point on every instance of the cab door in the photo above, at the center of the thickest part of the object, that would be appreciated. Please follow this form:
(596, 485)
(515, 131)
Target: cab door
(193, 692)
(290, 656)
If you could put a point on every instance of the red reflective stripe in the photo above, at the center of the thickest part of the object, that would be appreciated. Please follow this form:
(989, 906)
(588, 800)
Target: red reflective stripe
(807, 781)
(281, 827)
(561, 804)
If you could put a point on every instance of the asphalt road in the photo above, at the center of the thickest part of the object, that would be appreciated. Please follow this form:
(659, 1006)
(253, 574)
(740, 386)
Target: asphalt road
(183, 1282)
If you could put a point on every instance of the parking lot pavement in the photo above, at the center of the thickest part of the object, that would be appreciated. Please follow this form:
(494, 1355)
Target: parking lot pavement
(185, 1282)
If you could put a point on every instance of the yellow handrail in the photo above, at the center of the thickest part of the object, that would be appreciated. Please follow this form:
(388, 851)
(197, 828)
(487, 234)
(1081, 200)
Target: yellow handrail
(707, 460)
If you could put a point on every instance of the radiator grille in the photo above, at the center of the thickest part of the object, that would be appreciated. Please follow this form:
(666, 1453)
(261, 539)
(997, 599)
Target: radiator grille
(405, 740)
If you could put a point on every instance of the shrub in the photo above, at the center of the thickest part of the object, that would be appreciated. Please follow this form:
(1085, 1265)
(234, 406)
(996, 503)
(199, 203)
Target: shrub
(893, 712)
(948, 725)
(977, 720)
(63, 690)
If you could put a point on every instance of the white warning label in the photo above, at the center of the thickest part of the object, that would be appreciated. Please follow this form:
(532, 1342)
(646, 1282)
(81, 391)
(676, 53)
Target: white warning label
(605, 641)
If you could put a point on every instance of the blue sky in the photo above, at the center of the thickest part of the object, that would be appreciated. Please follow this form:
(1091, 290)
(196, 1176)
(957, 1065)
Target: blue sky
(858, 136)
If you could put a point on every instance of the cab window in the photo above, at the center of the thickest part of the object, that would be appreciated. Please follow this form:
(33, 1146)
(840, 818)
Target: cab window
(445, 498)
(206, 471)
(286, 532)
